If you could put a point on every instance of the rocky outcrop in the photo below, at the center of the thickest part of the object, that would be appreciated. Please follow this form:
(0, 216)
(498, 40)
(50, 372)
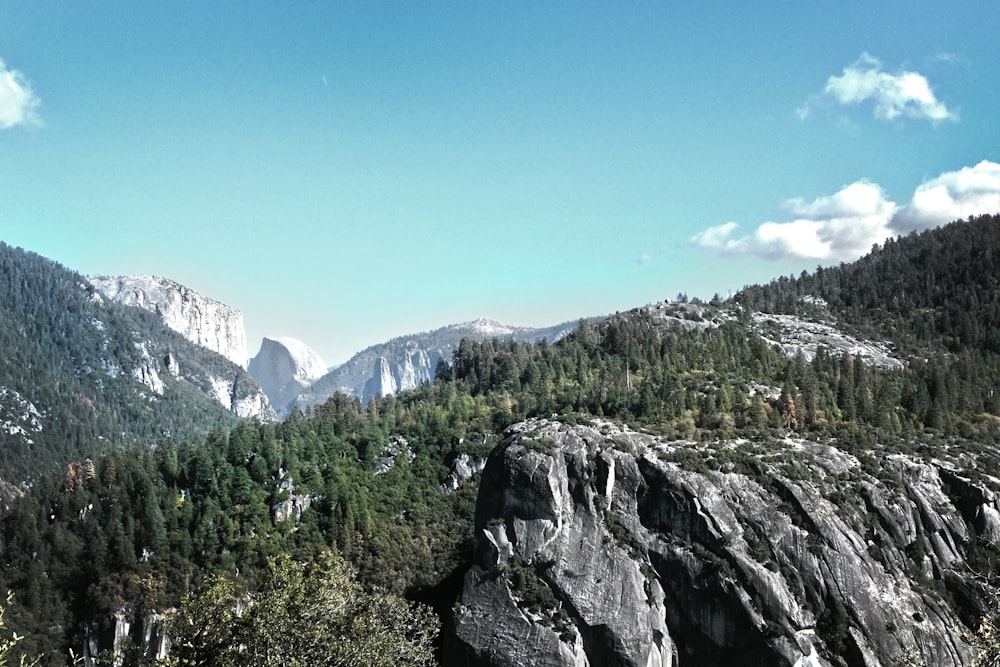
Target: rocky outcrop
(463, 468)
(597, 545)
(283, 368)
(411, 367)
(136, 640)
(18, 416)
(790, 333)
(240, 395)
(205, 322)
(201, 320)
(146, 370)
(292, 504)
(795, 334)
(406, 362)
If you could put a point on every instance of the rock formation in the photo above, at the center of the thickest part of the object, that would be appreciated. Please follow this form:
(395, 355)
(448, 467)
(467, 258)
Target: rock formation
(283, 368)
(201, 320)
(597, 545)
(205, 322)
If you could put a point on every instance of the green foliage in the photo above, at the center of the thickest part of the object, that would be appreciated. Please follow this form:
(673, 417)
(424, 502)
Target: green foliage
(9, 641)
(139, 529)
(71, 354)
(300, 615)
(537, 597)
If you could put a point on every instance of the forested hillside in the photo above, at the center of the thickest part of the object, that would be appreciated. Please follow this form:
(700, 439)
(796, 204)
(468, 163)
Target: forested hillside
(80, 376)
(132, 532)
(934, 290)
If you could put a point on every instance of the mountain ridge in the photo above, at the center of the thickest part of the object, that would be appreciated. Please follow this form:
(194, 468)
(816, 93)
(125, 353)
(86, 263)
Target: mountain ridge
(712, 483)
(202, 320)
(404, 362)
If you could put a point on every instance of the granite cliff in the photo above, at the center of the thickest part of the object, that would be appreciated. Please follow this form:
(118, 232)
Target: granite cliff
(205, 322)
(598, 545)
(283, 368)
(201, 320)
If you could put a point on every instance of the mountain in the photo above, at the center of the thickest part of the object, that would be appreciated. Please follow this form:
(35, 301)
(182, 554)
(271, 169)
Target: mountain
(201, 320)
(405, 362)
(284, 367)
(804, 475)
(937, 290)
(80, 374)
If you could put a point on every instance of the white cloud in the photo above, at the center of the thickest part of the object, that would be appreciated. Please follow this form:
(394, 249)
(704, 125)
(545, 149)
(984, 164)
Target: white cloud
(18, 103)
(894, 95)
(840, 226)
(845, 225)
(952, 196)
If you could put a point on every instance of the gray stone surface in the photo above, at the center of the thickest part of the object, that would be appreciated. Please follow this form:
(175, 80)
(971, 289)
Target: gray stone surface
(785, 553)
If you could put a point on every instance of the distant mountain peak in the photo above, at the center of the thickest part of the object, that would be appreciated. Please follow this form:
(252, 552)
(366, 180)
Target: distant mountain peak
(407, 361)
(307, 360)
(283, 367)
(486, 327)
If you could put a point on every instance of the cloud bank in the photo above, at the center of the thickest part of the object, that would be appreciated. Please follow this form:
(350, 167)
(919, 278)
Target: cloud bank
(893, 95)
(18, 103)
(845, 225)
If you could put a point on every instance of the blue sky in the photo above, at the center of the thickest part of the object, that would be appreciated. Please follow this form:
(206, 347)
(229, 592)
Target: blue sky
(348, 172)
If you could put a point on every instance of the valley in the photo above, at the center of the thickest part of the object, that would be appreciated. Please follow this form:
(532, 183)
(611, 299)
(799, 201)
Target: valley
(803, 474)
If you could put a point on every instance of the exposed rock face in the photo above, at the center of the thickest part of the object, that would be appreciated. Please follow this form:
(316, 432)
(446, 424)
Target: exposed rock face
(406, 362)
(411, 368)
(241, 396)
(207, 323)
(147, 637)
(294, 505)
(462, 469)
(602, 546)
(201, 320)
(283, 368)
(18, 415)
(792, 334)
(147, 370)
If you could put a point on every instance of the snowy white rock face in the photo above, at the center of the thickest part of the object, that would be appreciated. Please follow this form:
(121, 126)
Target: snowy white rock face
(201, 320)
(284, 367)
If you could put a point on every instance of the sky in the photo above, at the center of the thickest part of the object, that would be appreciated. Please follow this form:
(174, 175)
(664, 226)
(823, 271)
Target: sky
(348, 172)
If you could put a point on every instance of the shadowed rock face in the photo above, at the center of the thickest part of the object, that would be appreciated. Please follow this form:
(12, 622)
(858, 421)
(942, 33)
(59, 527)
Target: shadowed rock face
(603, 546)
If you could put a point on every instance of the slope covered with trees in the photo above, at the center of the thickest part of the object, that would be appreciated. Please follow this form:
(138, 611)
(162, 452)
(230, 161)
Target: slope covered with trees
(80, 375)
(934, 290)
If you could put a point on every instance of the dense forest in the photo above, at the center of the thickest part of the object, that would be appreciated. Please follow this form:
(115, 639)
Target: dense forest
(135, 531)
(72, 357)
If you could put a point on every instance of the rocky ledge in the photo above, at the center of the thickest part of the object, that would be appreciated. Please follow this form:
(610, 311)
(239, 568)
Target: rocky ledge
(597, 545)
